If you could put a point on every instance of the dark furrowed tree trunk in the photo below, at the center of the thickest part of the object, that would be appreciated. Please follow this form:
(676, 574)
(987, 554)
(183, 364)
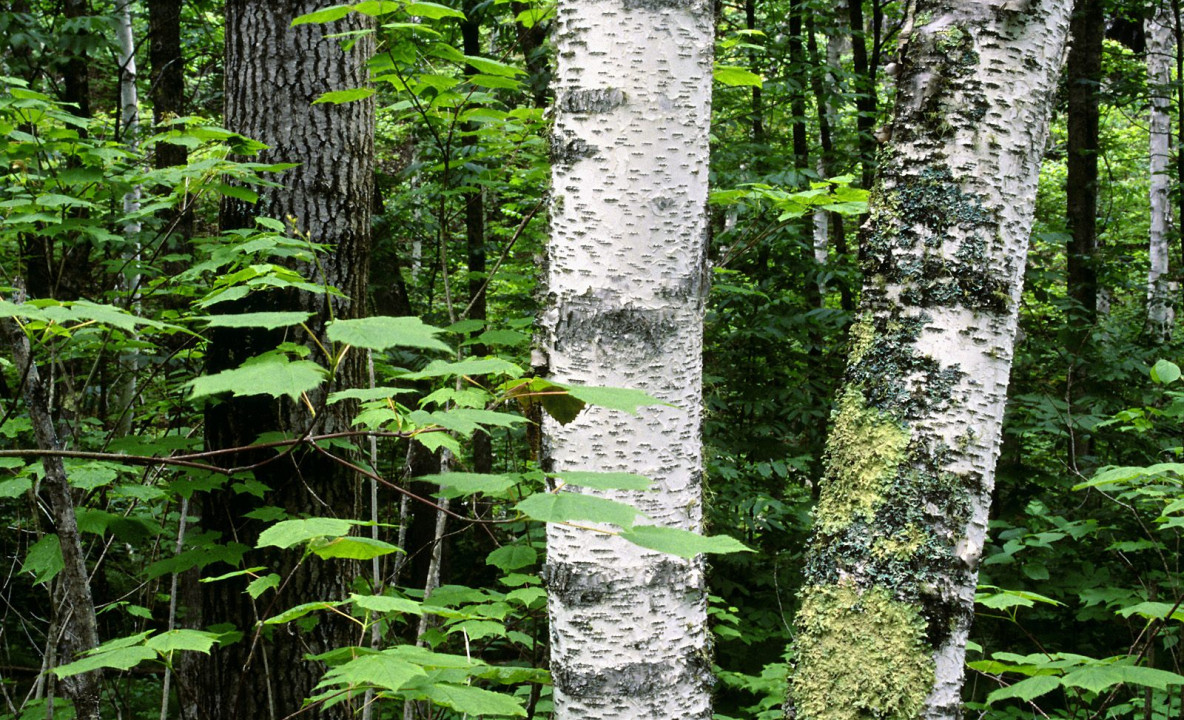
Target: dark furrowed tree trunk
(1083, 75)
(865, 100)
(475, 234)
(273, 74)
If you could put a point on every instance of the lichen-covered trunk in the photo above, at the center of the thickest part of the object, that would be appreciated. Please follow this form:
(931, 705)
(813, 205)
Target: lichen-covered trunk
(274, 72)
(626, 285)
(892, 564)
(1160, 53)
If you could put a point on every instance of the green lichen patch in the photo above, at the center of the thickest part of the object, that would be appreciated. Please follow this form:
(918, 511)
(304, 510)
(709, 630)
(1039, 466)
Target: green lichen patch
(865, 449)
(907, 245)
(902, 544)
(860, 655)
(862, 335)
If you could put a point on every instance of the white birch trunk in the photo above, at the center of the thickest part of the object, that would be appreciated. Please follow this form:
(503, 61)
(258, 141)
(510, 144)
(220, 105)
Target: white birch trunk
(892, 566)
(129, 121)
(1160, 54)
(627, 282)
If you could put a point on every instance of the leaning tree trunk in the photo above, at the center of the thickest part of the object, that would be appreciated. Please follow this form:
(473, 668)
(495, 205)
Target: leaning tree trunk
(627, 283)
(273, 74)
(892, 564)
(1160, 52)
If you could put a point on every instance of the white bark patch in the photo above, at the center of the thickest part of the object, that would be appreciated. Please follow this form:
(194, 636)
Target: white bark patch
(626, 284)
(1160, 52)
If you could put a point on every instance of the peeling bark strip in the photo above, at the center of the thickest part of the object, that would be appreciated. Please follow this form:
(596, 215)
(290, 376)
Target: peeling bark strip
(627, 284)
(73, 606)
(892, 565)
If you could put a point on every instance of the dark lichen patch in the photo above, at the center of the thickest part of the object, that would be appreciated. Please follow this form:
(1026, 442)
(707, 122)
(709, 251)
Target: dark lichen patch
(892, 376)
(661, 4)
(911, 224)
(568, 150)
(591, 102)
(642, 332)
(587, 584)
(863, 646)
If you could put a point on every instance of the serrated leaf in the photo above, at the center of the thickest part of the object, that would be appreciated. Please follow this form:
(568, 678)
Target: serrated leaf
(1153, 611)
(458, 483)
(736, 76)
(386, 604)
(273, 375)
(577, 507)
(474, 701)
(44, 559)
(603, 480)
(266, 320)
(299, 611)
(468, 366)
(1026, 690)
(1094, 679)
(1115, 475)
(683, 543)
(324, 15)
(383, 332)
(432, 11)
(353, 548)
(623, 399)
(1165, 372)
(338, 97)
(287, 533)
(367, 394)
(124, 658)
(260, 585)
(512, 557)
(493, 67)
(380, 670)
(194, 640)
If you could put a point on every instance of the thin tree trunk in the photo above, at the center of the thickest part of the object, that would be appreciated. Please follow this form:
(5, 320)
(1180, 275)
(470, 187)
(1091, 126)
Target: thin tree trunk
(892, 564)
(1159, 32)
(864, 84)
(273, 73)
(73, 607)
(129, 122)
(1083, 73)
(627, 280)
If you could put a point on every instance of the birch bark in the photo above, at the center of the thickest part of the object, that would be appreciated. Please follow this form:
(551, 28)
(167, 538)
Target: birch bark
(626, 283)
(1159, 31)
(892, 564)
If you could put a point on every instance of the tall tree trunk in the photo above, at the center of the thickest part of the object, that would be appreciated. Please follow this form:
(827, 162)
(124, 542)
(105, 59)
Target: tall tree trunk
(864, 84)
(73, 607)
(1083, 76)
(1160, 53)
(475, 234)
(900, 525)
(273, 73)
(627, 282)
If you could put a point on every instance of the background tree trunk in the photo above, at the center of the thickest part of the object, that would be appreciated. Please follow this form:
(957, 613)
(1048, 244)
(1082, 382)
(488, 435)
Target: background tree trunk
(1160, 53)
(898, 531)
(627, 282)
(273, 74)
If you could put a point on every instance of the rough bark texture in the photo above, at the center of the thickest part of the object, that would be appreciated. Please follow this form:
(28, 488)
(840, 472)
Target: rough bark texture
(168, 73)
(626, 282)
(865, 86)
(892, 565)
(1160, 53)
(1083, 76)
(73, 607)
(273, 74)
